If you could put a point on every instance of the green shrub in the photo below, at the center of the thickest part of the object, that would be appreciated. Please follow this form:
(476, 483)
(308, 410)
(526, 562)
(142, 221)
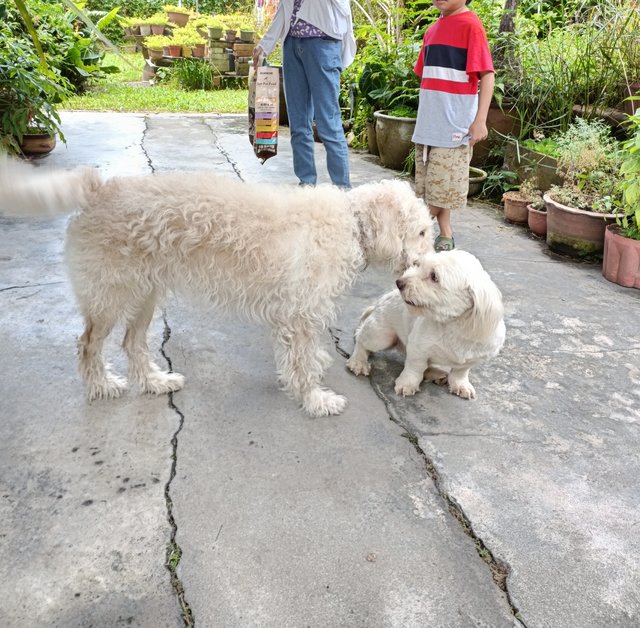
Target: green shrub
(193, 74)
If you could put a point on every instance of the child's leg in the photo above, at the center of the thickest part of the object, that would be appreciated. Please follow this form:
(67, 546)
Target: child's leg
(446, 184)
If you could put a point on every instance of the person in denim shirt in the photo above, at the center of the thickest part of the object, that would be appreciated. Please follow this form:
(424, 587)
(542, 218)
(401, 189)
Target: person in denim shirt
(318, 43)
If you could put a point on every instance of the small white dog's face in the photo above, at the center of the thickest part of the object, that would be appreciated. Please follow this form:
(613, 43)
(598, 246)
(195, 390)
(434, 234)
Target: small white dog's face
(448, 285)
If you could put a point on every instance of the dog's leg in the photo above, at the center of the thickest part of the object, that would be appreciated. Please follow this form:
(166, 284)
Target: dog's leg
(460, 385)
(142, 369)
(371, 336)
(416, 363)
(301, 363)
(101, 382)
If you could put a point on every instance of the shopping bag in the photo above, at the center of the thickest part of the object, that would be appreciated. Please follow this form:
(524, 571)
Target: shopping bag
(264, 107)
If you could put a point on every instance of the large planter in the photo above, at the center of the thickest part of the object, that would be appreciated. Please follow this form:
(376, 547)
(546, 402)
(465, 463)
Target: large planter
(393, 136)
(37, 144)
(500, 122)
(477, 177)
(537, 221)
(515, 208)
(575, 232)
(527, 163)
(621, 258)
(372, 140)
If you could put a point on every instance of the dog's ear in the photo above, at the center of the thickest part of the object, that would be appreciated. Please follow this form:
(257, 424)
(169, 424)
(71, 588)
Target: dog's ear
(487, 309)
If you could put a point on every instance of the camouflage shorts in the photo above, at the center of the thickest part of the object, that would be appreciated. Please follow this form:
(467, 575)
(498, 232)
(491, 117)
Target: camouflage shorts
(444, 180)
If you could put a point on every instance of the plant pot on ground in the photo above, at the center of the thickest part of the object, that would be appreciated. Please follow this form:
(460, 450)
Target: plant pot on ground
(515, 207)
(591, 196)
(37, 143)
(393, 136)
(477, 177)
(621, 259)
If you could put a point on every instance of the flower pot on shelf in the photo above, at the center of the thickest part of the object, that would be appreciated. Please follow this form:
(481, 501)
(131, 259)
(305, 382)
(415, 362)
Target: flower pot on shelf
(575, 232)
(155, 53)
(180, 19)
(621, 258)
(230, 34)
(393, 136)
(477, 177)
(198, 51)
(515, 208)
(157, 29)
(174, 51)
(215, 32)
(537, 221)
(247, 36)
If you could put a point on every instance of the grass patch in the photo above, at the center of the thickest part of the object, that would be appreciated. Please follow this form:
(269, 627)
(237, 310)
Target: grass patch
(116, 94)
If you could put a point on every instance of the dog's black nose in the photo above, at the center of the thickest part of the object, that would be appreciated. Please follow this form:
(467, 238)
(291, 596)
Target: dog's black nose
(401, 284)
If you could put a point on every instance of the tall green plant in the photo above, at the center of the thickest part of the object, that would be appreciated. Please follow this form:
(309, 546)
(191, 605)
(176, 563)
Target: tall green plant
(630, 171)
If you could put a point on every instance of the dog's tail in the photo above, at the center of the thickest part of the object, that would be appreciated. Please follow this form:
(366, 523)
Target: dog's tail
(29, 191)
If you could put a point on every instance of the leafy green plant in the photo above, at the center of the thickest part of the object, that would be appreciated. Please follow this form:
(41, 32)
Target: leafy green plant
(157, 42)
(176, 9)
(498, 182)
(193, 74)
(589, 161)
(630, 171)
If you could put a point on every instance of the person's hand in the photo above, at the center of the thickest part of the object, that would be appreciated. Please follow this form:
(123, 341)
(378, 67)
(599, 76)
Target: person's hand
(477, 132)
(258, 55)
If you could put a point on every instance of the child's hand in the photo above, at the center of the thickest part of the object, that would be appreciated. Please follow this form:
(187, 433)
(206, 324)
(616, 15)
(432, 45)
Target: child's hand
(477, 132)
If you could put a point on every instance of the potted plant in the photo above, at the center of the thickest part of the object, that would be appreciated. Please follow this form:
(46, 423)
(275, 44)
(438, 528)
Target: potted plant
(29, 94)
(177, 15)
(215, 28)
(158, 22)
(590, 197)
(621, 258)
(536, 209)
(247, 33)
(156, 44)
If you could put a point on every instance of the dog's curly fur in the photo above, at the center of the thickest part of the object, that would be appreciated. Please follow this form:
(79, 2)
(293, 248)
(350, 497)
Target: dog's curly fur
(278, 254)
(447, 314)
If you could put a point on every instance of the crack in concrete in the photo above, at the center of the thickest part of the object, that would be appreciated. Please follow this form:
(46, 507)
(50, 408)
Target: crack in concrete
(224, 153)
(31, 285)
(174, 552)
(498, 568)
(142, 148)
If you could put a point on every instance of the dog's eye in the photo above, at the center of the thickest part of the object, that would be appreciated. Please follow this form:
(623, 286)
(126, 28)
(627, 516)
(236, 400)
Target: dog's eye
(433, 276)
(422, 233)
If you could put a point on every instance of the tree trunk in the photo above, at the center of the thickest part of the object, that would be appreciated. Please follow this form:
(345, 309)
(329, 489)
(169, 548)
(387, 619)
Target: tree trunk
(504, 48)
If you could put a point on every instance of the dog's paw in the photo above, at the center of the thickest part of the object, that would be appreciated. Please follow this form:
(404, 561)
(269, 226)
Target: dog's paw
(321, 402)
(111, 387)
(462, 389)
(406, 386)
(357, 367)
(160, 382)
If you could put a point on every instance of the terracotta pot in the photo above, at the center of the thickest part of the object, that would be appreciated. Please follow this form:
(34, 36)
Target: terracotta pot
(537, 221)
(621, 258)
(155, 53)
(174, 51)
(573, 231)
(393, 136)
(157, 29)
(515, 208)
(180, 19)
(37, 143)
(230, 35)
(198, 51)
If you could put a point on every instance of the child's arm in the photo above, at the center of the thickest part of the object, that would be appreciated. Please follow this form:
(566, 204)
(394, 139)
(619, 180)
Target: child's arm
(478, 129)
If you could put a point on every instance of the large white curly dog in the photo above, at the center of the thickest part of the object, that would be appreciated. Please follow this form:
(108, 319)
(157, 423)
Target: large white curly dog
(447, 314)
(279, 254)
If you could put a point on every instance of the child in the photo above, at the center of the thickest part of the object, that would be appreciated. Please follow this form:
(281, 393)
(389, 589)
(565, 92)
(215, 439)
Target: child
(452, 112)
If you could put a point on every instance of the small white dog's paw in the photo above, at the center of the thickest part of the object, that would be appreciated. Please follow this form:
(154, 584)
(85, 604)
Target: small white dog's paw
(407, 385)
(111, 387)
(462, 389)
(161, 382)
(321, 402)
(358, 367)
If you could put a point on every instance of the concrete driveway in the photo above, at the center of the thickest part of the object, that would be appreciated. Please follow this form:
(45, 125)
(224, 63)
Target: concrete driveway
(224, 506)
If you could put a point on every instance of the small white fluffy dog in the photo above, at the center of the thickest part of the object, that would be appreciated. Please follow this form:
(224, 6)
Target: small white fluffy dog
(279, 254)
(447, 314)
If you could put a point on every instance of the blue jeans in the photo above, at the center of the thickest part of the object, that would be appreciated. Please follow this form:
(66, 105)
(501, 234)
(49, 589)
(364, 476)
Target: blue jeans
(311, 68)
